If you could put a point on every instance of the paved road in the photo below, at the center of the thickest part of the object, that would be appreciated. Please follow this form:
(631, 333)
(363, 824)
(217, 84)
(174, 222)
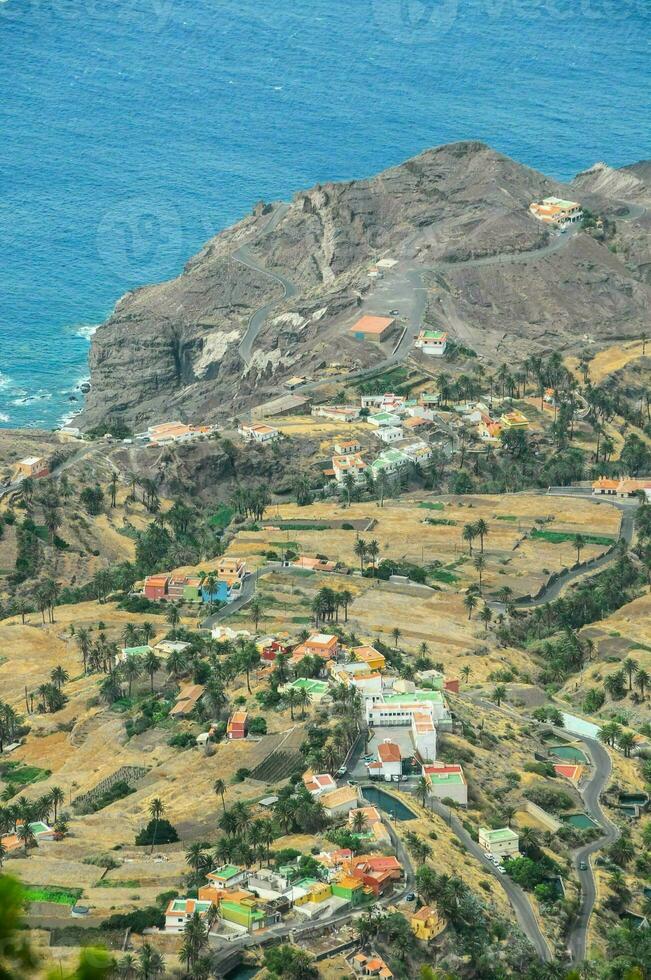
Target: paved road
(244, 256)
(591, 793)
(248, 591)
(521, 905)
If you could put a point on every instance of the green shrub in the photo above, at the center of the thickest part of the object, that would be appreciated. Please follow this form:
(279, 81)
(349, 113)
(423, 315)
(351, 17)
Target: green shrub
(157, 833)
(147, 918)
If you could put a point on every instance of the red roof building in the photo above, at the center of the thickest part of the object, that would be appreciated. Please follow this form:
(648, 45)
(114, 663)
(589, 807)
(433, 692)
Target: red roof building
(237, 723)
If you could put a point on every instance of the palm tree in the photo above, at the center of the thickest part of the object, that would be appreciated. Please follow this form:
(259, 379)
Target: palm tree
(156, 811)
(499, 694)
(130, 635)
(482, 529)
(469, 534)
(422, 789)
(304, 700)
(219, 787)
(195, 856)
(150, 963)
(346, 597)
(172, 615)
(291, 699)
(131, 670)
(373, 550)
(147, 630)
(25, 834)
(59, 676)
(126, 967)
(626, 742)
(470, 602)
(466, 672)
(361, 550)
(630, 666)
(480, 565)
(579, 544)
(359, 823)
(56, 798)
(150, 664)
(486, 616)
(642, 680)
(210, 586)
(396, 634)
(255, 608)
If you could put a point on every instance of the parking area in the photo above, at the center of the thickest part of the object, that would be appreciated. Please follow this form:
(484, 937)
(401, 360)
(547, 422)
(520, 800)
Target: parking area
(401, 735)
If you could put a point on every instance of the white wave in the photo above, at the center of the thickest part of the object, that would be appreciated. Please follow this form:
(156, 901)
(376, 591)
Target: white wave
(4, 417)
(86, 330)
(38, 396)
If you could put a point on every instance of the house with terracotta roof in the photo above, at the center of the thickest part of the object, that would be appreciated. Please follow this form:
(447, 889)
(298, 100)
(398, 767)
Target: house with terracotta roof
(446, 782)
(557, 211)
(237, 725)
(605, 486)
(340, 802)
(423, 733)
(488, 429)
(316, 785)
(373, 826)
(376, 872)
(258, 432)
(352, 464)
(514, 421)
(345, 447)
(315, 564)
(33, 467)
(370, 966)
(156, 587)
(180, 910)
(389, 761)
(416, 423)
(370, 656)
(373, 329)
(187, 700)
(324, 645)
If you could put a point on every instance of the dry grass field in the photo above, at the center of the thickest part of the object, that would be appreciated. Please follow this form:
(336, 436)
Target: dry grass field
(608, 361)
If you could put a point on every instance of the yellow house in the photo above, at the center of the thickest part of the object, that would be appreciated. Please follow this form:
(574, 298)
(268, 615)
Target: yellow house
(514, 420)
(320, 892)
(426, 924)
(370, 656)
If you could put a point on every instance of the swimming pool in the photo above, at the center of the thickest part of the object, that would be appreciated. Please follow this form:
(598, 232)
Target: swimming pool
(579, 726)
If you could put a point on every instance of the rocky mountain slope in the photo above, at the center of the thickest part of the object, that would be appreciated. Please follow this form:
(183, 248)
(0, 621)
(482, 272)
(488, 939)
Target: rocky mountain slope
(456, 221)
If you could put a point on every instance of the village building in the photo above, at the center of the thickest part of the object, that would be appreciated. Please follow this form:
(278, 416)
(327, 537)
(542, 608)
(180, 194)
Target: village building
(501, 843)
(384, 419)
(339, 802)
(390, 433)
(416, 424)
(258, 432)
(285, 405)
(237, 725)
(418, 452)
(295, 382)
(373, 329)
(388, 763)
(432, 342)
(370, 966)
(324, 645)
(187, 700)
(315, 564)
(316, 785)
(423, 733)
(228, 876)
(180, 910)
(127, 652)
(446, 782)
(623, 487)
(514, 421)
(352, 464)
(369, 656)
(373, 826)
(426, 924)
(33, 467)
(399, 709)
(389, 461)
(556, 211)
(488, 429)
(155, 587)
(337, 413)
(344, 447)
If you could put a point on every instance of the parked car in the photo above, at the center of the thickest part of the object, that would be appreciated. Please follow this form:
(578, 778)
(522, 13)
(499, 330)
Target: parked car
(501, 869)
(583, 866)
(394, 312)
(341, 772)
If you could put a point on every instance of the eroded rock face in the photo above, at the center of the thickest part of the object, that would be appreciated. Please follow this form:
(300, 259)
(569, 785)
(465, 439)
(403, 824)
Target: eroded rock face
(173, 349)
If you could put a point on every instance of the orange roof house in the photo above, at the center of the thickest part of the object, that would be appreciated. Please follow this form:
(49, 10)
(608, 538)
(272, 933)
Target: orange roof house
(236, 727)
(373, 328)
(369, 655)
(389, 752)
(605, 485)
(188, 699)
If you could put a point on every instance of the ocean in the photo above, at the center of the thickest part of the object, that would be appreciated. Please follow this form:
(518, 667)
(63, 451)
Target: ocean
(133, 130)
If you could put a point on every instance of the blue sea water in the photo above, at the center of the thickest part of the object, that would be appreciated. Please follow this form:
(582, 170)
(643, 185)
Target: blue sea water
(132, 130)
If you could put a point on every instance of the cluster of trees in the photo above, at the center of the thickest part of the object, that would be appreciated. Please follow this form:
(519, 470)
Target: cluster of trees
(251, 502)
(10, 725)
(16, 817)
(327, 603)
(326, 747)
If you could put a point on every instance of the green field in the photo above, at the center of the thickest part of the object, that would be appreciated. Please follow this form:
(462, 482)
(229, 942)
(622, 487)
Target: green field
(562, 537)
(434, 505)
(62, 896)
(17, 774)
(506, 517)
(442, 575)
(222, 516)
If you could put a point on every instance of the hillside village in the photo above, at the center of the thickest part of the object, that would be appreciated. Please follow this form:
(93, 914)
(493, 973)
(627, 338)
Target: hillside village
(376, 702)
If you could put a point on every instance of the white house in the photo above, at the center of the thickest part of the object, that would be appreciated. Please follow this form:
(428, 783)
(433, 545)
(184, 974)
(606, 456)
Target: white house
(352, 463)
(389, 761)
(423, 732)
(501, 843)
(340, 802)
(446, 782)
(418, 452)
(390, 433)
(383, 419)
(180, 910)
(257, 432)
(432, 342)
